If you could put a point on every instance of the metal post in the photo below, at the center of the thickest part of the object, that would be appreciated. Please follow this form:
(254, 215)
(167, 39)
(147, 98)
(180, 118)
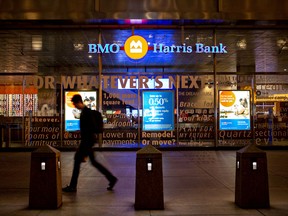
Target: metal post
(215, 93)
(100, 138)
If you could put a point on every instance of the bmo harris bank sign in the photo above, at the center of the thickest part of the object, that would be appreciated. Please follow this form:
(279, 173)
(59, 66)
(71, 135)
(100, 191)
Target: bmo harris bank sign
(136, 47)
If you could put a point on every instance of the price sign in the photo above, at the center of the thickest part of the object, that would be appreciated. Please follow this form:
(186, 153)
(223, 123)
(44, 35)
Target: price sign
(158, 110)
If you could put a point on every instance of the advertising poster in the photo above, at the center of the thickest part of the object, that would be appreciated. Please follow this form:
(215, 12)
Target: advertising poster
(158, 110)
(72, 115)
(234, 109)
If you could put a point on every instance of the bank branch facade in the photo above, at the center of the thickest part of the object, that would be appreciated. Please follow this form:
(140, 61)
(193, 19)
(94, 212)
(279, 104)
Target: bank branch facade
(166, 83)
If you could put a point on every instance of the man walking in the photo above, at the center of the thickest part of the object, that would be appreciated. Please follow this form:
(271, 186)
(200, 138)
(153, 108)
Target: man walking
(88, 137)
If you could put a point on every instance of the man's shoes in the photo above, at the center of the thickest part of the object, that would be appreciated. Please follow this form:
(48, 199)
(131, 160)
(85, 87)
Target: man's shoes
(112, 183)
(68, 188)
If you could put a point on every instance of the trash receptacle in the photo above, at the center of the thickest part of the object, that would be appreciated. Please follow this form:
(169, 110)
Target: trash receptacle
(45, 179)
(149, 179)
(251, 183)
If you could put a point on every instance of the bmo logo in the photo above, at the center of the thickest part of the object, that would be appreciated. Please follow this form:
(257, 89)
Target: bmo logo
(135, 47)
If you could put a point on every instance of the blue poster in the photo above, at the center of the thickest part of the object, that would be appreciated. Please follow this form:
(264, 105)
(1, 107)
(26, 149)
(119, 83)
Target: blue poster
(158, 110)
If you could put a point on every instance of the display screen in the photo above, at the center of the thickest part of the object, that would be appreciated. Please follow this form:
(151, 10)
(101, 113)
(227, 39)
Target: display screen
(158, 110)
(72, 115)
(234, 109)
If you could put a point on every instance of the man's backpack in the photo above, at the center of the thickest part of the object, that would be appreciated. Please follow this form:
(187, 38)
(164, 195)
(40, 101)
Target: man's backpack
(98, 119)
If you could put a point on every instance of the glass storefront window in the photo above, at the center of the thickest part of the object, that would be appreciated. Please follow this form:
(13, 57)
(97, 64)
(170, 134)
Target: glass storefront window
(196, 112)
(271, 110)
(198, 62)
(121, 111)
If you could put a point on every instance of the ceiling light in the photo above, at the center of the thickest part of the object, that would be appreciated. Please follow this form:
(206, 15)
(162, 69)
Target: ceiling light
(242, 44)
(135, 21)
(281, 42)
(37, 42)
(78, 46)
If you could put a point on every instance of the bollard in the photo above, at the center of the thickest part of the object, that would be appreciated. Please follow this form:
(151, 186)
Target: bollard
(251, 183)
(149, 179)
(45, 179)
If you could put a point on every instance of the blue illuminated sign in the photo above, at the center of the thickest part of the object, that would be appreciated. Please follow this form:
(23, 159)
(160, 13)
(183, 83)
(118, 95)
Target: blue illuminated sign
(158, 110)
(161, 48)
(136, 47)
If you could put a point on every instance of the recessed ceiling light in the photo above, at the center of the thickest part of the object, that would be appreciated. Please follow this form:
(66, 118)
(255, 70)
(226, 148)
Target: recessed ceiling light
(78, 46)
(242, 44)
(37, 42)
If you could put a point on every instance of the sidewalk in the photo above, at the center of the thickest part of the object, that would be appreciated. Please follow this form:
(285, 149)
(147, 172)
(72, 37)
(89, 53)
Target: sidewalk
(195, 183)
